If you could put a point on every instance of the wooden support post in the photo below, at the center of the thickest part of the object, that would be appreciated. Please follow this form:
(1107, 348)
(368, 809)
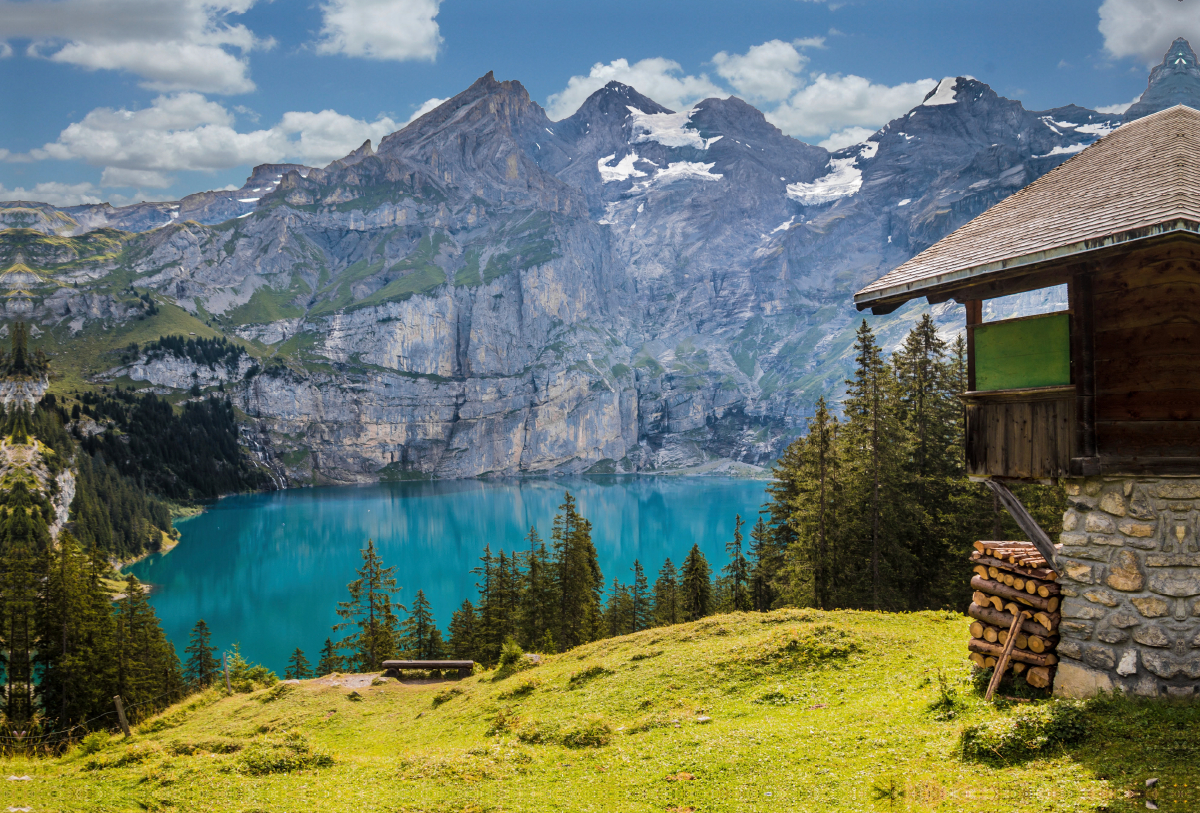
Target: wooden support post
(974, 317)
(121, 715)
(225, 665)
(1002, 664)
(1024, 521)
(1083, 375)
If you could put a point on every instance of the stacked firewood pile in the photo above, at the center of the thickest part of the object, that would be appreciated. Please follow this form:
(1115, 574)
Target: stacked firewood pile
(1012, 579)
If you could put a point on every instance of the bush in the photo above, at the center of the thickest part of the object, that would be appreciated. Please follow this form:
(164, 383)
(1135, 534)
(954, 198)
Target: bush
(511, 653)
(591, 673)
(94, 742)
(244, 678)
(591, 732)
(280, 755)
(1031, 730)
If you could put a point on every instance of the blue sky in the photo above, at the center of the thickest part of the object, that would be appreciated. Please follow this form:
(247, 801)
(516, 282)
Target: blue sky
(127, 100)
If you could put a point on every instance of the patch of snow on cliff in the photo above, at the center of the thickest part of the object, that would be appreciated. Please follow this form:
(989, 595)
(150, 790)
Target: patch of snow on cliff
(622, 171)
(1071, 150)
(842, 180)
(683, 170)
(668, 129)
(247, 200)
(943, 93)
(1098, 129)
(610, 213)
(904, 202)
(784, 226)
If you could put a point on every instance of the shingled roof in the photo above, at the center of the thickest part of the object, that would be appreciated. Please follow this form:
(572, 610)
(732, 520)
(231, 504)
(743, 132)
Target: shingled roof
(1140, 181)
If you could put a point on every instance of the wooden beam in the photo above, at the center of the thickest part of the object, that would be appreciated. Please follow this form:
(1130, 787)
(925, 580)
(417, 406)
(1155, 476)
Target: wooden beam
(1083, 373)
(1024, 521)
(974, 317)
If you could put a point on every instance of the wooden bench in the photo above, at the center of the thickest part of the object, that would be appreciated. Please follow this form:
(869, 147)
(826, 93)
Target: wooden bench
(465, 668)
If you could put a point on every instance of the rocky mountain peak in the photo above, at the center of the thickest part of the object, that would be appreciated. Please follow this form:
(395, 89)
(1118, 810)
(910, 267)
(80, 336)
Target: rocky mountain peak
(1176, 80)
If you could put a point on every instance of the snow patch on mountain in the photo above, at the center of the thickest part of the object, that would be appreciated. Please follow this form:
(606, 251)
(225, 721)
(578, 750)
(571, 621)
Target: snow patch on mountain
(842, 180)
(1098, 129)
(685, 170)
(668, 129)
(943, 93)
(1060, 150)
(623, 170)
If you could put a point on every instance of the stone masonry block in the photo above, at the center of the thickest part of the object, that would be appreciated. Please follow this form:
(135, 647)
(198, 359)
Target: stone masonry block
(1078, 608)
(1078, 629)
(1098, 656)
(1101, 597)
(1111, 635)
(1070, 520)
(1072, 539)
(1112, 540)
(1124, 574)
(1128, 664)
(1179, 584)
(1079, 572)
(1114, 503)
(1070, 649)
(1098, 523)
(1124, 620)
(1136, 529)
(1151, 636)
(1150, 606)
(1085, 551)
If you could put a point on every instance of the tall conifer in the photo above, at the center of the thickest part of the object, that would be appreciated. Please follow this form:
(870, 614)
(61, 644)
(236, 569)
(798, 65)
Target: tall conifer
(370, 614)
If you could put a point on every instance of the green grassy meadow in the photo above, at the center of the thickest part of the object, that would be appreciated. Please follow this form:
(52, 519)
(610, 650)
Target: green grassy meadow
(794, 710)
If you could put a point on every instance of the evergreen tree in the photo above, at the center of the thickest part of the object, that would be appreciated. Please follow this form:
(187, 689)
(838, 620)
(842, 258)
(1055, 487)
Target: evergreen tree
(618, 611)
(641, 615)
(201, 667)
(738, 570)
(538, 602)
(765, 569)
(298, 667)
(329, 661)
(695, 587)
(487, 639)
(877, 444)
(370, 614)
(464, 627)
(578, 580)
(666, 596)
(148, 672)
(813, 473)
(419, 636)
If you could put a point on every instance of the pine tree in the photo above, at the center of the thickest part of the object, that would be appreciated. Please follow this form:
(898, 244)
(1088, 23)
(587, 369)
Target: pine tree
(641, 615)
(464, 629)
(417, 637)
(876, 442)
(666, 596)
(738, 570)
(765, 568)
(538, 602)
(201, 667)
(62, 642)
(618, 611)
(695, 587)
(578, 580)
(370, 614)
(148, 673)
(329, 662)
(298, 667)
(487, 639)
(813, 473)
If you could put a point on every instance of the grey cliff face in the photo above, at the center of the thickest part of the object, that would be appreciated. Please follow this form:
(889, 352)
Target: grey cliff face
(491, 292)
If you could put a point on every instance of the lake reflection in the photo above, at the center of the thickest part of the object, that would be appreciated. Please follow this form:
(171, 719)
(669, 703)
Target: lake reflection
(266, 570)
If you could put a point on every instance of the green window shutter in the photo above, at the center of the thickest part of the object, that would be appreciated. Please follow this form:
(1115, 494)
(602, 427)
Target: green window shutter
(1019, 353)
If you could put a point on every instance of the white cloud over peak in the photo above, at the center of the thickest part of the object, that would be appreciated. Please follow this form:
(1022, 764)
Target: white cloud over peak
(381, 29)
(659, 78)
(186, 131)
(770, 71)
(1146, 28)
(832, 102)
(54, 193)
(846, 137)
(171, 44)
(425, 107)
(1118, 108)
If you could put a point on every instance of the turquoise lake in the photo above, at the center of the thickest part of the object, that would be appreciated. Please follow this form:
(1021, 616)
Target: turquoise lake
(266, 570)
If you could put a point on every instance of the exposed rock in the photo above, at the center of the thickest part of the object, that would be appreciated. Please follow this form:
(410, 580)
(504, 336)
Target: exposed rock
(1124, 573)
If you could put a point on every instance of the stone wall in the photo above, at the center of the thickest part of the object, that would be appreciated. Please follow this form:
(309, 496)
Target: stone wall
(1129, 570)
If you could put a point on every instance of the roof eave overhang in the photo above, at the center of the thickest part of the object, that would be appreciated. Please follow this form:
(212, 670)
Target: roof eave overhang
(886, 300)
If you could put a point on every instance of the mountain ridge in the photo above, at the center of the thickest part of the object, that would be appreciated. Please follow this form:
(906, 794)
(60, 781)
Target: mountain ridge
(489, 292)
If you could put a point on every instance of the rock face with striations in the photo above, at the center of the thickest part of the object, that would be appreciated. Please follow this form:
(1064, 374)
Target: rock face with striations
(488, 291)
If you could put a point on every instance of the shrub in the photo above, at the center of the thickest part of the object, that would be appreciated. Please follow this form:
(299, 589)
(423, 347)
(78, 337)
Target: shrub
(591, 673)
(797, 647)
(94, 742)
(1030, 730)
(511, 652)
(280, 755)
(244, 678)
(446, 695)
(517, 692)
(591, 732)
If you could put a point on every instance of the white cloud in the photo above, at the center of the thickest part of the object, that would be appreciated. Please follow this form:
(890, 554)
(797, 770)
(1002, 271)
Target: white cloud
(426, 106)
(1118, 108)
(5, 50)
(381, 29)
(770, 71)
(186, 131)
(835, 102)
(656, 77)
(1146, 28)
(846, 137)
(171, 44)
(56, 194)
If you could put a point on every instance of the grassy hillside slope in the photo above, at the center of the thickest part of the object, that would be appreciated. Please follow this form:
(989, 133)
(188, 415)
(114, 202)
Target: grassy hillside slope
(789, 711)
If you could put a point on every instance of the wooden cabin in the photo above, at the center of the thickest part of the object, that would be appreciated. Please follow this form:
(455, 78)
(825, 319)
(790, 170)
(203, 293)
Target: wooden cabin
(1111, 384)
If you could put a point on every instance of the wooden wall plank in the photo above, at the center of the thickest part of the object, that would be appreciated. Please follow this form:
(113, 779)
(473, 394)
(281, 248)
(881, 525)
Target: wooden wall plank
(1163, 405)
(1150, 374)
(1152, 340)
(1148, 438)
